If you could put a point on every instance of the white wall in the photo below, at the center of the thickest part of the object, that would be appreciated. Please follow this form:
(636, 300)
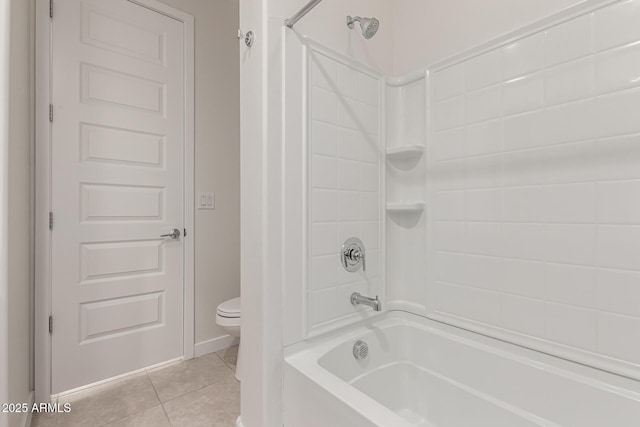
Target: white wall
(260, 385)
(426, 31)
(535, 174)
(20, 199)
(217, 166)
(326, 24)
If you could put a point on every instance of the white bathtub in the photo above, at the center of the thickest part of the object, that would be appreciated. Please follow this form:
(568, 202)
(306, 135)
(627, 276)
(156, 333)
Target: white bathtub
(423, 373)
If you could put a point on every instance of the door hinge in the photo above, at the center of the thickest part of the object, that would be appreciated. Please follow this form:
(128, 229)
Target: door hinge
(50, 8)
(51, 113)
(50, 220)
(50, 324)
(185, 232)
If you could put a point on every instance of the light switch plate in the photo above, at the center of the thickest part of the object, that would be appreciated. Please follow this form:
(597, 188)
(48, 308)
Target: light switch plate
(206, 201)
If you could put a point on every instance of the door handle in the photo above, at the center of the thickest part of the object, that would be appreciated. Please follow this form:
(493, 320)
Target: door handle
(175, 234)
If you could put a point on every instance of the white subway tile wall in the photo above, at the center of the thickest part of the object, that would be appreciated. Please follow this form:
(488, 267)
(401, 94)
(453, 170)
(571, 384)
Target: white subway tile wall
(344, 179)
(536, 185)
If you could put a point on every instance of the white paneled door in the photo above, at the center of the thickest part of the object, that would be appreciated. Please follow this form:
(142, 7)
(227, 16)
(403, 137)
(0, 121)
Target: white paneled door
(117, 186)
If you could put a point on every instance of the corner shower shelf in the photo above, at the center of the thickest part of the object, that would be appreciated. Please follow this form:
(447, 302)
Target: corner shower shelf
(409, 207)
(405, 152)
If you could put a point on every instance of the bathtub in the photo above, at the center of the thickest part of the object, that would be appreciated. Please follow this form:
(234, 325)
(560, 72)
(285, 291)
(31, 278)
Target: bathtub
(423, 373)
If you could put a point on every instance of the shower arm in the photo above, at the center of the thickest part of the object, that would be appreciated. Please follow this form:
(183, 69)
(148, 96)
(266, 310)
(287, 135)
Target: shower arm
(301, 13)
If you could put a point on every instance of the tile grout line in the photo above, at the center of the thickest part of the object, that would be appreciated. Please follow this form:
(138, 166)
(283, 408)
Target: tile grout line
(233, 369)
(191, 392)
(158, 397)
(139, 412)
(194, 390)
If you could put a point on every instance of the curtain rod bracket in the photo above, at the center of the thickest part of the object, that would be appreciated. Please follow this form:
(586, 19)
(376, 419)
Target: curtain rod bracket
(301, 13)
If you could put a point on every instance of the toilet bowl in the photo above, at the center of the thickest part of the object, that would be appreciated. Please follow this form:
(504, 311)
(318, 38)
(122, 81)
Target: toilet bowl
(228, 316)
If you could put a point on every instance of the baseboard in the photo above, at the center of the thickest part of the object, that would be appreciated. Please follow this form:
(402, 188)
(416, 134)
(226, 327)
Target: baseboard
(26, 418)
(201, 348)
(55, 397)
(215, 344)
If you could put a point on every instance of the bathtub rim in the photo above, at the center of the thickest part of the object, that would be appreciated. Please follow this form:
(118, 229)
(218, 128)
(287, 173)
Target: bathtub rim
(305, 357)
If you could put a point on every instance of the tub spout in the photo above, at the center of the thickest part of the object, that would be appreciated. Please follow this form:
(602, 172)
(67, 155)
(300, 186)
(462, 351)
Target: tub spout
(357, 299)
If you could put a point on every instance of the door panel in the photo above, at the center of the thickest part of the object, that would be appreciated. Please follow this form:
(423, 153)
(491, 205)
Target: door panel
(117, 185)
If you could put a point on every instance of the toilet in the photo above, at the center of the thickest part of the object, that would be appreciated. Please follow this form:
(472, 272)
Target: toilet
(228, 317)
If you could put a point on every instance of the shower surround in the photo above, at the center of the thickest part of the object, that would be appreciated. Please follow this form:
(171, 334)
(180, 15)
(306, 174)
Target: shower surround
(343, 161)
(534, 226)
(507, 180)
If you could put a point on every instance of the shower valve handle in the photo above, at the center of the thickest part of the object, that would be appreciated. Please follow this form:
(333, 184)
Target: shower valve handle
(353, 255)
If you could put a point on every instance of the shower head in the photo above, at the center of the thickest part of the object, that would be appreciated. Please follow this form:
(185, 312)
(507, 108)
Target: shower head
(369, 25)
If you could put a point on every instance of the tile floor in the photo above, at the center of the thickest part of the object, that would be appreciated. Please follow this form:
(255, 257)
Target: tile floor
(198, 392)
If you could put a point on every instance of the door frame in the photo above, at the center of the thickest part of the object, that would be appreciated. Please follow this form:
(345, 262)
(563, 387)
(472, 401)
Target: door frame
(43, 195)
(5, 19)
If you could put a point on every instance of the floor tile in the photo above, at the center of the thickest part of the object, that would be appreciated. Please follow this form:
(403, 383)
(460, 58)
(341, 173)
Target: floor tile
(229, 355)
(184, 377)
(44, 419)
(109, 402)
(217, 405)
(154, 417)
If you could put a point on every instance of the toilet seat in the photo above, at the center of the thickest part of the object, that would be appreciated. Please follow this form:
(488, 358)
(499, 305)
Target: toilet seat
(228, 313)
(229, 309)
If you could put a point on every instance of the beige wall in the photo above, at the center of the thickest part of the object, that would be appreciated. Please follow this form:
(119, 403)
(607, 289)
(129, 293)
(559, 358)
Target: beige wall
(217, 131)
(427, 31)
(20, 224)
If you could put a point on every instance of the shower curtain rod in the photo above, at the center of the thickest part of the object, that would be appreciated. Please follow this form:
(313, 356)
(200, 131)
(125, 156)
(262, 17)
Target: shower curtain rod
(305, 9)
